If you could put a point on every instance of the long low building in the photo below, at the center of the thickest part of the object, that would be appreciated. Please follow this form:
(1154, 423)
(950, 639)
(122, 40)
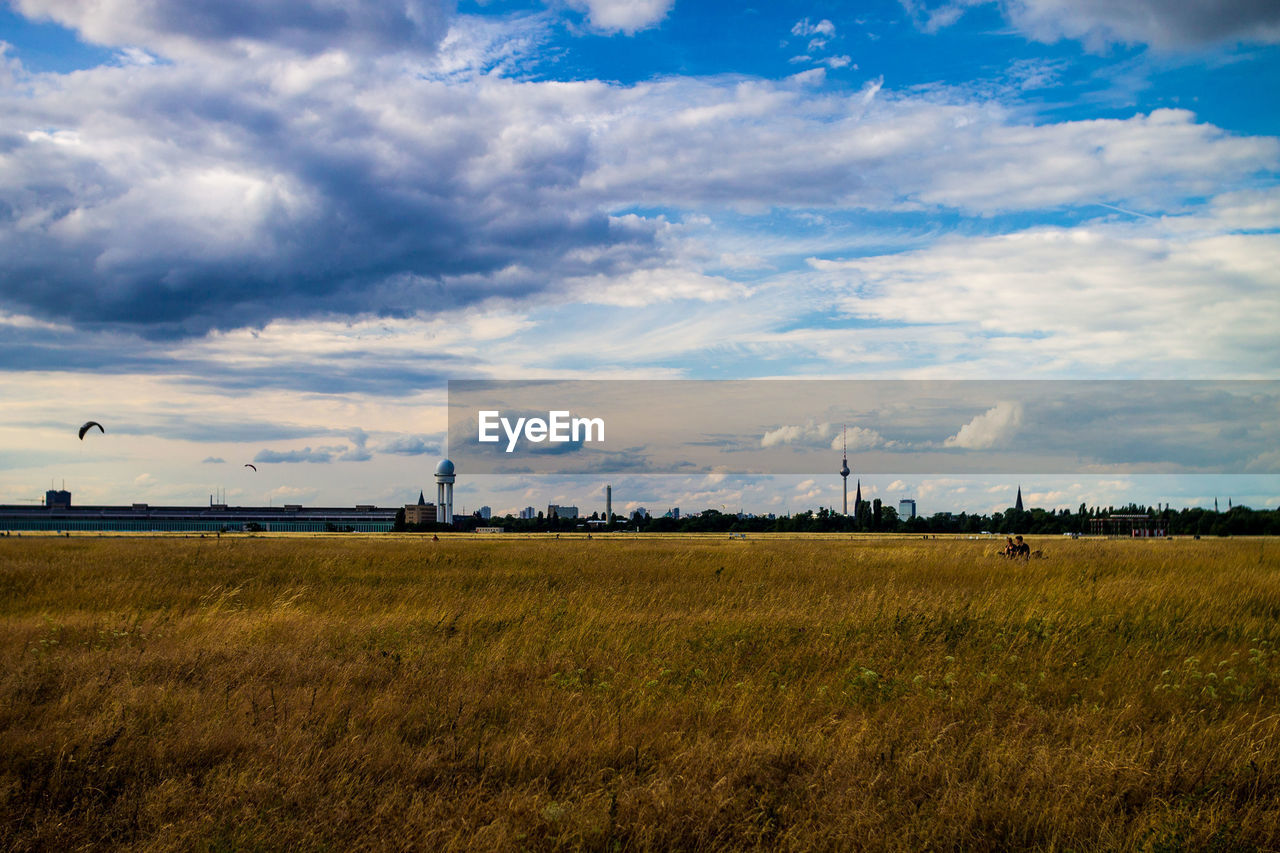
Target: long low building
(213, 518)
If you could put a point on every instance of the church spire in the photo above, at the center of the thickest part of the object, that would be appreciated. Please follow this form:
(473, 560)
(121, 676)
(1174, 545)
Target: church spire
(422, 499)
(1018, 503)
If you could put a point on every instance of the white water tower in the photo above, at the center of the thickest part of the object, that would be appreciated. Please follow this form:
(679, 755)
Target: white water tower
(444, 492)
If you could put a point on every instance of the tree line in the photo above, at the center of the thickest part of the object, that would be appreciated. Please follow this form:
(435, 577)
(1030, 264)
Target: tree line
(875, 517)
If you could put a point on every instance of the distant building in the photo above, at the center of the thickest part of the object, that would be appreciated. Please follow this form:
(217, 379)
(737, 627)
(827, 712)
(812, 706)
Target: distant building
(490, 530)
(140, 517)
(485, 512)
(1017, 504)
(420, 513)
(673, 513)
(639, 513)
(907, 508)
(528, 513)
(57, 498)
(562, 511)
(424, 514)
(1137, 526)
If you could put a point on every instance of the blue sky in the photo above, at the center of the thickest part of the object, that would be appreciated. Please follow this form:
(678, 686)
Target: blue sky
(274, 230)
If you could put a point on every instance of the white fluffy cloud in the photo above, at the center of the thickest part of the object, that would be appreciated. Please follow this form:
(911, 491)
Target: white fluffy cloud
(626, 16)
(814, 434)
(989, 429)
(788, 434)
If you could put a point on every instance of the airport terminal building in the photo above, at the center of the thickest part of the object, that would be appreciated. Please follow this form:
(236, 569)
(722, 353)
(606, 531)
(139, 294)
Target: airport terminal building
(59, 515)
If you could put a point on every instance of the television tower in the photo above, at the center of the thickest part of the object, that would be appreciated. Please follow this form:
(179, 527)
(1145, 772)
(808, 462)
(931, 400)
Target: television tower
(844, 467)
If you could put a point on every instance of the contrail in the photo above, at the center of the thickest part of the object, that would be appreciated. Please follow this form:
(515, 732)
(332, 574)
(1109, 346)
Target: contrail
(1123, 210)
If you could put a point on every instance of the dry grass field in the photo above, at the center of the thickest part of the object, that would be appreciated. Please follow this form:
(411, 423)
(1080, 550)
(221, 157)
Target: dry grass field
(348, 693)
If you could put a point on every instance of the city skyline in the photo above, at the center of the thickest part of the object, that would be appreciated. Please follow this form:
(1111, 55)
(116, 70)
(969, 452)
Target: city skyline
(270, 238)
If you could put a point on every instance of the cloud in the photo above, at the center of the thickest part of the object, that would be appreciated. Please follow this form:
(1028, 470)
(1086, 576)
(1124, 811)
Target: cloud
(409, 445)
(805, 28)
(213, 460)
(857, 438)
(649, 286)
(205, 194)
(1167, 24)
(177, 27)
(322, 455)
(824, 435)
(626, 16)
(1160, 23)
(1098, 296)
(810, 433)
(989, 429)
(695, 143)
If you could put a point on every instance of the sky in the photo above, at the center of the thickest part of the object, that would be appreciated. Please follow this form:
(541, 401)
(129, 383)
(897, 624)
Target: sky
(270, 232)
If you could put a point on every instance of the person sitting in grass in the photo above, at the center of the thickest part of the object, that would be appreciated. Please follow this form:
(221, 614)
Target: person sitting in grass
(1021, 549)
(1009, 548)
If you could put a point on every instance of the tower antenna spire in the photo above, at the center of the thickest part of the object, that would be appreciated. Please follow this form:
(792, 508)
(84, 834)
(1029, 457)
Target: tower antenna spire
(844, 466)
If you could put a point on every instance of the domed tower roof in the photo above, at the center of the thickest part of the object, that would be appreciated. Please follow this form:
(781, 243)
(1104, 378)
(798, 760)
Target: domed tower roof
(844, 468)
(444, 469)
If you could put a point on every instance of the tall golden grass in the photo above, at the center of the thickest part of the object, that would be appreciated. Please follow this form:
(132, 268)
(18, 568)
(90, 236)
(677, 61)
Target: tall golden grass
(399, 693)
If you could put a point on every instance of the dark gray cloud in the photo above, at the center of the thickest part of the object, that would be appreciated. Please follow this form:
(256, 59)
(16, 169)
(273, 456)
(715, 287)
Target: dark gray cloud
(1169, 24)
(179, 199)
(309, 26)
(1160, 23)
(113, 352)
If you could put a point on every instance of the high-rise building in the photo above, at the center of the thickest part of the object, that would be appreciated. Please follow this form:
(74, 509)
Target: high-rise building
(907, 508)
(528, 513)
(608, 504)
(485, 512)
(560, 511)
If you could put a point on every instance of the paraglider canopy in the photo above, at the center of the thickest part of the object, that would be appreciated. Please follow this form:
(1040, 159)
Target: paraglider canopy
(90, 425)
(251, 465)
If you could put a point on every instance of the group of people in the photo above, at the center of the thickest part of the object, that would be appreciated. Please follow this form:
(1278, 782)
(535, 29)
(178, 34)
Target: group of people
(1016, 548)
